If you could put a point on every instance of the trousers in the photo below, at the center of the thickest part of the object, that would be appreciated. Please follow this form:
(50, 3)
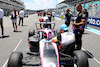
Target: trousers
(1, 23)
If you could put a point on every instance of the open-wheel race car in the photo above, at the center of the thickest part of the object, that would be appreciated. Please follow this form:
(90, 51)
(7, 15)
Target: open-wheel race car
(35, 37)
(47, 52)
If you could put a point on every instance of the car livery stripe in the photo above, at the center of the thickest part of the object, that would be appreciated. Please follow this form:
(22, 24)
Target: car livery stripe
(56, 50)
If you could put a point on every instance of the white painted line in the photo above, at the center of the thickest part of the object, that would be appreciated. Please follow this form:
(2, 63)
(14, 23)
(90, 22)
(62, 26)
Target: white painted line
(5, 63)
(96, 60)
(91, 56)
(17, 45)
(13, 51)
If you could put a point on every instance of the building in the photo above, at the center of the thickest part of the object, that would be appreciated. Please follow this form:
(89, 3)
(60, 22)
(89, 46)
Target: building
(8, 5)
(51, 9)
(92, 6)
(30, 11)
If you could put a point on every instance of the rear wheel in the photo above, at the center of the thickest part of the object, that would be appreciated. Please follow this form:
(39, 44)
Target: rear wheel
(15, 59)
(31, 32)
(81, 58)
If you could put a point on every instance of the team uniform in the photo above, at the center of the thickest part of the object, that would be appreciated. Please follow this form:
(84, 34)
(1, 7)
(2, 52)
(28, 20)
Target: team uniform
(78, 29)
(21, 16)
(67, 42)
(67, 19)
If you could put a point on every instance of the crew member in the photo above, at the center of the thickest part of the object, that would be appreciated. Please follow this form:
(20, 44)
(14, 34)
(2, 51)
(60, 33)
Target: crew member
(78, 26)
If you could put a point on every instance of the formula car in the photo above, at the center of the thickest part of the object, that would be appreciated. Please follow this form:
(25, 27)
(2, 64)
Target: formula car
(47, 52)
(35, 37)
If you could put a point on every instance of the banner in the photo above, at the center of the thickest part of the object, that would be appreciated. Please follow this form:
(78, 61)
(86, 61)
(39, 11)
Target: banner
(94, 21)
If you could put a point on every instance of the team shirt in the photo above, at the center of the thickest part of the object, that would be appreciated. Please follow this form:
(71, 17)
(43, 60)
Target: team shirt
(21, 14)
(80, 16)
(68, 16)
(1, 13)
(65, 38)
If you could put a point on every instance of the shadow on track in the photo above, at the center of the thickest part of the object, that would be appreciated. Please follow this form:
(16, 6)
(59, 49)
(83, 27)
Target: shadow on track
(89, 55)
(5, 36)
(18, 31)
(85, 33)
(25, 25)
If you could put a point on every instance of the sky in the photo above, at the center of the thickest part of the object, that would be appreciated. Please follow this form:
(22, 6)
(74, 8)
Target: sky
(39, 4)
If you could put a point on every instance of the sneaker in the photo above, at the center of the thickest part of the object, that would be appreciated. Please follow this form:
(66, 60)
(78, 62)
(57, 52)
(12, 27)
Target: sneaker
(1, 36)
(14, 31)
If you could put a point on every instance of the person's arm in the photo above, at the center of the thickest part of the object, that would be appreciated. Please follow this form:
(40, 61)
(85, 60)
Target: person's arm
(83, 20)
(54, 39)
(65, 16)
(87, 15)
(3, 13)
(11, 13)
(81, 23)
(20, 13)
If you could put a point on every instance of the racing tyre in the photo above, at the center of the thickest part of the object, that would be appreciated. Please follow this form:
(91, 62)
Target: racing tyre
(81, 58)
(31, 32)
(15, 59)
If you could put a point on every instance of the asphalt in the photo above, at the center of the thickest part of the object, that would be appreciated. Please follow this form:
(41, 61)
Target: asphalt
(17, 41)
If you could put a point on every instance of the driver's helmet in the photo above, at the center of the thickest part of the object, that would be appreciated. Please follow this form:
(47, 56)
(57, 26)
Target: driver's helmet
(44, 35)
(64, 27)
(41, 19)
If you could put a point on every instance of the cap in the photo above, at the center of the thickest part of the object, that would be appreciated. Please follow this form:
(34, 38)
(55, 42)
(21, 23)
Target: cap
(64, 27)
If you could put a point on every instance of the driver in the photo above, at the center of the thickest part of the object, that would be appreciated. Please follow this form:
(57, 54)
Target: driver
(66, 40)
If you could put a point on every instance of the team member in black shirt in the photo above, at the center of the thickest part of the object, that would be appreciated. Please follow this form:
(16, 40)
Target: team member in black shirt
(67, 17)
(78, 26)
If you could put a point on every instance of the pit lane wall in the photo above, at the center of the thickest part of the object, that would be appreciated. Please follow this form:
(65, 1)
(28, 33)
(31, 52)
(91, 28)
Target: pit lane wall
(92, 21)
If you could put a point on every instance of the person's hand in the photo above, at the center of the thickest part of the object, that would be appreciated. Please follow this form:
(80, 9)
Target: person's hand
(52, 40)
(11, 13)
(73, 23)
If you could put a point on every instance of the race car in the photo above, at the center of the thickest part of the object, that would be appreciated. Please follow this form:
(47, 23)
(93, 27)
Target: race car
(35, 37)
(47, 53)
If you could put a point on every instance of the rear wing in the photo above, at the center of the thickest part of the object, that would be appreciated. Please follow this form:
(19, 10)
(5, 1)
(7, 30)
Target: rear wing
(52, 23)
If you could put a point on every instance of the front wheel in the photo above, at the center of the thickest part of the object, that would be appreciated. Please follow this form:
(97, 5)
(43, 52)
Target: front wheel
(15, 59)
(81, 58)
